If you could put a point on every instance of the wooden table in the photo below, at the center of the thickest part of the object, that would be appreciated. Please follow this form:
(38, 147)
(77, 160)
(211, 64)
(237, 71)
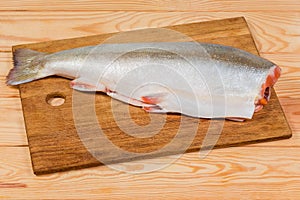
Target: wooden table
(259, 171)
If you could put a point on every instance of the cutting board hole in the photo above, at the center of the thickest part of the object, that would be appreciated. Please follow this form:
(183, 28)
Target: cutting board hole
(55, 99)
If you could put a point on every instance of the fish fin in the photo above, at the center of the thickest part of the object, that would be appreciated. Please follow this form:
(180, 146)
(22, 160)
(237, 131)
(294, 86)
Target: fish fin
(150, 99)
(125, 99)
(146, 106)
(153, 98)
(28, 66)
(81, 85)
(152, 102)
(154, 109)
(235, 119)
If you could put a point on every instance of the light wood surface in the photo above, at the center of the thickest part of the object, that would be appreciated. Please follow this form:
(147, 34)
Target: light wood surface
(260, 171)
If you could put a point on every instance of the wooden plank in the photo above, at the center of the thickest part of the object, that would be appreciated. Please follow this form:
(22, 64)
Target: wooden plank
(5, 63)
(291, 108)
(53, 139)
(12, 128)
(5, 66)
(142, 5)
(230, 173)
(7, 91)
(280, 37)
(273, 32)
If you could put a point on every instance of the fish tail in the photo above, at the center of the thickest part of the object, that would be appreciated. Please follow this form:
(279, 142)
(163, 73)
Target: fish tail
(28, 66)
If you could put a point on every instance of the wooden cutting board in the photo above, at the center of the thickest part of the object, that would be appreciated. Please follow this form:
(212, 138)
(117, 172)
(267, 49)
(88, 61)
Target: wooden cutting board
(55, 144)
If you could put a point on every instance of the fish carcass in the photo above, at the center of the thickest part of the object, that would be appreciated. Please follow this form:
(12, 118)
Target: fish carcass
(195, 79)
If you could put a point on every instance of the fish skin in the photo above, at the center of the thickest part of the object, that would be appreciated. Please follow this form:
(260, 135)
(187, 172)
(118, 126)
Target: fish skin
(195, 79)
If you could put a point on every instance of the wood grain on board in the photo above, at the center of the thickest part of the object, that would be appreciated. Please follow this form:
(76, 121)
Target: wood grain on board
(251, 173)
(272, 31)
(52, 135)
(142, 5)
